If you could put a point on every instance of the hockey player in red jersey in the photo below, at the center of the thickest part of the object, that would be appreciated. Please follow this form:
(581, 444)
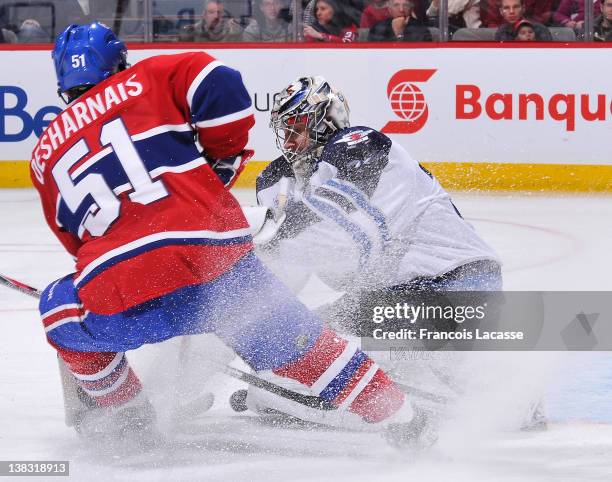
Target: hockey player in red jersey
(134, 179)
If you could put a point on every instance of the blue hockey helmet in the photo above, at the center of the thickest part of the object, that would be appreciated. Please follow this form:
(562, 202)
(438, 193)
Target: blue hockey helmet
(85, 55)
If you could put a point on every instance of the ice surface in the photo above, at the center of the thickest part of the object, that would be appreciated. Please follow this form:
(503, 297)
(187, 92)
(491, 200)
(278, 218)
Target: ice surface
(546, 243)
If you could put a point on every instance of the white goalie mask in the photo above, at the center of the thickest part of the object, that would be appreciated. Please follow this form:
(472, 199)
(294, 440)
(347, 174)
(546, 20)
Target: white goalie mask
(312, 109)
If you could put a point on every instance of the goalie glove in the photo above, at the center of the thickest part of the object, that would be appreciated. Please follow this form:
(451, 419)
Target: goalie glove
(229, 168)
(264, 225)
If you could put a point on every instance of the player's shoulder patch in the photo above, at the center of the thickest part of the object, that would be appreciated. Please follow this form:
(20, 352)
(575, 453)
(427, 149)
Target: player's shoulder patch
(355, 136)
(355, 147)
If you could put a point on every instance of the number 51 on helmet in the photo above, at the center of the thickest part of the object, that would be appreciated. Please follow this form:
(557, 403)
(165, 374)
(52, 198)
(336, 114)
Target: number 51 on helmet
(85, 55)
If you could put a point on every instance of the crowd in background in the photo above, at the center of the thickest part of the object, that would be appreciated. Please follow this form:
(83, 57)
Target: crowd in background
(341, 21)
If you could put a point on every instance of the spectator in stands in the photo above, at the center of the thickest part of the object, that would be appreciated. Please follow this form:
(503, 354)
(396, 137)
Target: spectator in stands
(524, 31)
(602, 31)
(52, 16)
(356, 8)
(570, 13)
(31, 32)
(331, 24)
(539, 11)
(375, 12)
(215, 26)
(352, 10)
(402, 26)
(513, 11)
(267, 26)
(461, 13)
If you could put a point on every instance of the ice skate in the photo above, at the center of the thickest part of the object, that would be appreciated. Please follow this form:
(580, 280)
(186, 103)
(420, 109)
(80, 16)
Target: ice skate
(536, 419)
(419, 432)
(135, 418)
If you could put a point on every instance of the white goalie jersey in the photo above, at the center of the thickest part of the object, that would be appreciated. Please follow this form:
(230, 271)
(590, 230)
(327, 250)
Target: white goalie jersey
(369, 217)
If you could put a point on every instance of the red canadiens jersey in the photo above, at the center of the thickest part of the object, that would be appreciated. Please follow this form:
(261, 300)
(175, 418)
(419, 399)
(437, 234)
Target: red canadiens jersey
(125, 186)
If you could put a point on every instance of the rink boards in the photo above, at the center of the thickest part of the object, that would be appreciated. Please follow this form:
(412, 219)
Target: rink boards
(480, 116)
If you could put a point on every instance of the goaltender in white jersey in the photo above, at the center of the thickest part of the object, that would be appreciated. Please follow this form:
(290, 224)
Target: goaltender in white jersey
(352, 206)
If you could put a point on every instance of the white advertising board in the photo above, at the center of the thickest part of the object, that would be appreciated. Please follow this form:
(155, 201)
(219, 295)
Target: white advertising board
(510, 105)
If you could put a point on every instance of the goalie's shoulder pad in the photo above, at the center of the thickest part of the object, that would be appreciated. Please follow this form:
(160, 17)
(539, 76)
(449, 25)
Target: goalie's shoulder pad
(355, 147)
(359, 154)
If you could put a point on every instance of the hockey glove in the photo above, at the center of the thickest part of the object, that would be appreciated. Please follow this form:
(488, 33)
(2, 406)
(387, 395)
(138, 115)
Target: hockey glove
(264, 225)
(229, 168)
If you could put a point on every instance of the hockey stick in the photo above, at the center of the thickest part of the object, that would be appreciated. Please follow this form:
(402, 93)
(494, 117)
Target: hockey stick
(314, 401)
(17, 285)
(311, 401)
